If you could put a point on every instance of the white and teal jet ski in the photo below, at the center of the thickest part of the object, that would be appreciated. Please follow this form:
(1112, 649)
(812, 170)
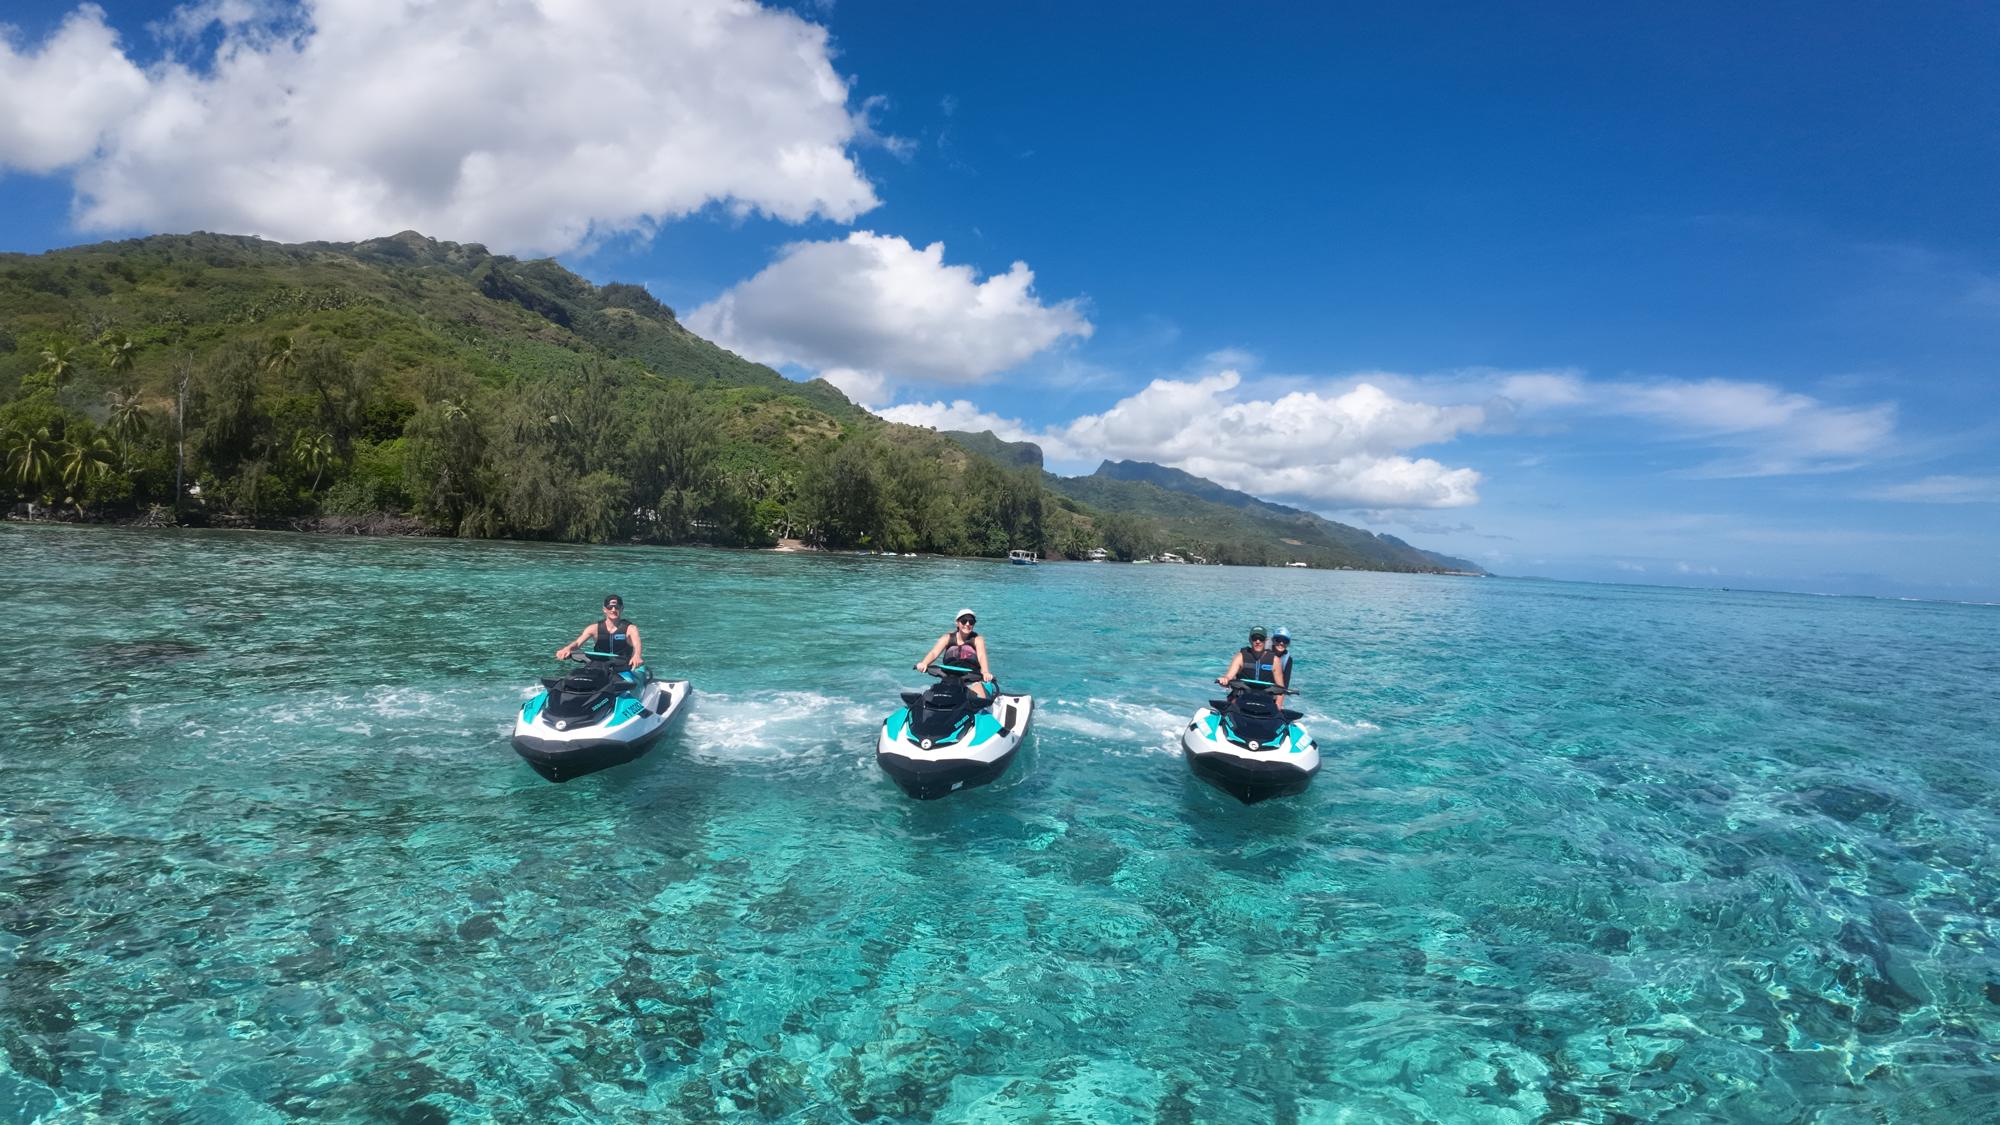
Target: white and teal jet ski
(946, 738)
(596, 717)
(1248, 747)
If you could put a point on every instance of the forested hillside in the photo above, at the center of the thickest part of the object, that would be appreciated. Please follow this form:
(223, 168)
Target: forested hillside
(478, 394)
(1313, 538)
(441, 387)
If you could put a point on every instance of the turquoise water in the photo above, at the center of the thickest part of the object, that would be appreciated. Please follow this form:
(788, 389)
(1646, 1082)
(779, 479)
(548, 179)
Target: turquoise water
(1578, 852)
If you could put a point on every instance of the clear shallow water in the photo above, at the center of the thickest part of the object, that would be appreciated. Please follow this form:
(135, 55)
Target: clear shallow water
(1578, 851)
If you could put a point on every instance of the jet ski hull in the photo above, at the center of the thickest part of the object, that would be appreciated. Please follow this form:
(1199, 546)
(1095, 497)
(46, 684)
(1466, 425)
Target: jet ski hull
(976, 758)
(1283, 769)
(585, 748)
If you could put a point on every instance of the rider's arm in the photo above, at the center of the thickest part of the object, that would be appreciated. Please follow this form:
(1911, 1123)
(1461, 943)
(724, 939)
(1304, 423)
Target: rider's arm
(563, 652)
(632, 631)
(985, 665)
(1235, 666)
(932, 654)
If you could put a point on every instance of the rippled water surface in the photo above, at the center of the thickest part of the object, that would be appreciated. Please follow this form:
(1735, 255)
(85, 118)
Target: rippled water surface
(1577, 852)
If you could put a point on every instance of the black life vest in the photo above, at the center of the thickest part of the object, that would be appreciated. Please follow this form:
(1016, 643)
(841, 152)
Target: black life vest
(961, 654)
(1256, 665)
(617, 643)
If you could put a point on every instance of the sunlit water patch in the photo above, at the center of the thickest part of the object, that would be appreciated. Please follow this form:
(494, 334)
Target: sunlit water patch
(1576, 853)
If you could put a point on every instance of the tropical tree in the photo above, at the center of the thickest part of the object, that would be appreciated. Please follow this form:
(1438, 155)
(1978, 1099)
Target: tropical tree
(442, 452)
(58, 362)
(30, 459)
(1073, 540)
(281, 356)
(120, 351)
(339, 384)
(84, 462)
(128, 415)
(314, 452)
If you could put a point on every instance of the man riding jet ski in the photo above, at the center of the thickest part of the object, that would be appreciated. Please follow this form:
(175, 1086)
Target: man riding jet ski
(958, 733)
(607, 712)
(1248, 745)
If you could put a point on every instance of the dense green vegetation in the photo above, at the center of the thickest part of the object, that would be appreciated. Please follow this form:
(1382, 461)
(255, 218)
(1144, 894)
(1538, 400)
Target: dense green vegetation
(434, 386)
(476, 394)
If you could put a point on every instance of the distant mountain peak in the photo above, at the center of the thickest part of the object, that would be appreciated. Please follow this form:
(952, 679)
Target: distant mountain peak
(1025, 454)
(1179, 480)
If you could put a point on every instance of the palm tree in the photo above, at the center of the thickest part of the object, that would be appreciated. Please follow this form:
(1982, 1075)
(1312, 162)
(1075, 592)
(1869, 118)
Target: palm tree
(313, 451)
(58, 360)
(282, 356)
(30, 456)
(119, 352)
(128, 414)
(83, 462)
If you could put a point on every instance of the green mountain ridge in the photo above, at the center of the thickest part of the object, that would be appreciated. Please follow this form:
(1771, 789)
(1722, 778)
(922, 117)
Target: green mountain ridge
(1020, 454)
(1385, 546)
(1198, 516)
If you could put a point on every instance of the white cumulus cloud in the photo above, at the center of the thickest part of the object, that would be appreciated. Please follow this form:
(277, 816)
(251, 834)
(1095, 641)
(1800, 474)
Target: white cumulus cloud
(959, 414)
(1341, 449)
(878, 311)
(1324, 450)
(57, 101)
(531, 125)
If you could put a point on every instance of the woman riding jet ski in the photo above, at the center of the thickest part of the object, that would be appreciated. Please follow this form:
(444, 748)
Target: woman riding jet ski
(961, 731)
(606, 713)
(1249, 746)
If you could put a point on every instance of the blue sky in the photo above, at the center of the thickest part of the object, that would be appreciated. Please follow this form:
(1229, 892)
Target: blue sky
(1683, 293)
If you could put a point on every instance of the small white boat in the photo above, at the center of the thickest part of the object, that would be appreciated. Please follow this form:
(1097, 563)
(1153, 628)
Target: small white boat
(1021, 558)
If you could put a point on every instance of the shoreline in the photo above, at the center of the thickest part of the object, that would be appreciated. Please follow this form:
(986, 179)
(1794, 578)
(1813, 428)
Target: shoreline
(385, 526)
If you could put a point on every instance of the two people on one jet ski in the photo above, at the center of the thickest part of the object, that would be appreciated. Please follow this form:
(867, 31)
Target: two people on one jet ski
(613, 636)
(1254, 664)
(964, 648)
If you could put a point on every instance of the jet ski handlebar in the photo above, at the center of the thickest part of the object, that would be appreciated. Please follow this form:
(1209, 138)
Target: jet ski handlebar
(948, 671)
(1260, 685)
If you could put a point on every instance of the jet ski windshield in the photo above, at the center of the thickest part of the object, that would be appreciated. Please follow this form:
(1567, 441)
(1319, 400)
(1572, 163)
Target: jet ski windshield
(942, 710)
(586, 691)
(1251, 715)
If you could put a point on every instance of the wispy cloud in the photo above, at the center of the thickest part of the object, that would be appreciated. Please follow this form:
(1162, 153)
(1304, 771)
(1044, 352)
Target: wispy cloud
(1944, 489)
(1759, 429)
